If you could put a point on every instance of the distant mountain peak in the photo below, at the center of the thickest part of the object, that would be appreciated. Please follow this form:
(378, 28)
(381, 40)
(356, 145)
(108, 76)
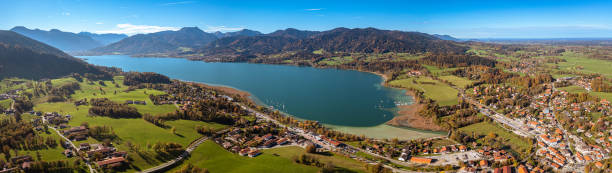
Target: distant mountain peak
(191, 29)
(65, 41)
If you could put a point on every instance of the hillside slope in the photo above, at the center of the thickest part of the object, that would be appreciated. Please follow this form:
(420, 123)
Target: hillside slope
(23, 57)
(65, 41)
(159, 42)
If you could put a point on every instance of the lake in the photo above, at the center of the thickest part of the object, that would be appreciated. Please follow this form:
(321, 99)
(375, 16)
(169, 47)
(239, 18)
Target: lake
(338, 98)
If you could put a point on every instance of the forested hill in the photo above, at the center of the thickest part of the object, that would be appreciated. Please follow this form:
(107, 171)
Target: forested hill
(159, 42)
(23, 57)
(243, 32)
(367, 40)
(104, 39)
(66, 41)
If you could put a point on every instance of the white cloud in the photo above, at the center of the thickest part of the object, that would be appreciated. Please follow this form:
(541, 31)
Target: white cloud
(130, 29)
(99, 23)
(178, 3)
(314, 9)
(65, 13)
(222, 29)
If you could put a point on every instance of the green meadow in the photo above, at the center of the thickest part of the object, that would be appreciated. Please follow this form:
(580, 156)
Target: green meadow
(457, 81)
(516, 143)
(433, 89)
(213, 157)
(133, 130)
(578, 89)
(582, 63)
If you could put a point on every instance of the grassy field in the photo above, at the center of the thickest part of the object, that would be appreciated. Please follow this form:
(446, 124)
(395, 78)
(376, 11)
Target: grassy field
(49, 154)
(213, 157)
(135, 130)
(336, 60)
(457, 81)
(5, 103)
(516, 143)
(579, 62)
(342, 162)
(438, 91)
(436, 71)
(442, 142)
(578, 89)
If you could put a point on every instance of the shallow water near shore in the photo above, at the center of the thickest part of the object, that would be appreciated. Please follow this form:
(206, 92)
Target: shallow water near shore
(337, 98)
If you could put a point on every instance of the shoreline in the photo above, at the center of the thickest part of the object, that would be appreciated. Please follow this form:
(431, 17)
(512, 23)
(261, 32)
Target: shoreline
(382, 130)
(408, 115)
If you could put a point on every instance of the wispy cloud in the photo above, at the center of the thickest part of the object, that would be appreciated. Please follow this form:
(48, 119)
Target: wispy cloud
(313, 9)
(178, 3)
(99, 23)
(130, 29)
(65, 13)
(222, 29)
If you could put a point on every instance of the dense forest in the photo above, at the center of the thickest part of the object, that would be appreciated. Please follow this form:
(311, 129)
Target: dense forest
(133, 78)
(26, 58)
(105, 107)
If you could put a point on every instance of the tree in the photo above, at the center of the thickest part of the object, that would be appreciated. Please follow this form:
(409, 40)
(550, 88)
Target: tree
(310, 148)
(173, 130)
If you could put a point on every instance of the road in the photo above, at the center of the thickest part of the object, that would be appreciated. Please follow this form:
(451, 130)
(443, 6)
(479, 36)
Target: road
(91, 170)
(187, 152)
(302, 133)
(497, 117)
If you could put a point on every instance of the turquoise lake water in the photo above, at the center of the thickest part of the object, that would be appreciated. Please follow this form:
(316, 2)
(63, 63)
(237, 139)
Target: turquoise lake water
(330, 96)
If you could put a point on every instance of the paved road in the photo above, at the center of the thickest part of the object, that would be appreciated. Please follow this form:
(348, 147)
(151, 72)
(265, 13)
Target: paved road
(91, 170)
(187, 152)
(497, 117)
(302, 133)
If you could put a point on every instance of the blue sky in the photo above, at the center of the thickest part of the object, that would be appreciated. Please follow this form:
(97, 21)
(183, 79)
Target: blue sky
(459, 18)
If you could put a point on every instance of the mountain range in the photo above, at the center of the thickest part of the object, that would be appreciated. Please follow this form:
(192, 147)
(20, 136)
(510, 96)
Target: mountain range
(243, 32)
(23, 57)
(68, 41)
(192, 40)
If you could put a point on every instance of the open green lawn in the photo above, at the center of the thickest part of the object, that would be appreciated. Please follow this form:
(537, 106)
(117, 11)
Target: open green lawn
(438, 91)
(49, 154)
(457, 81)
(5, 103)
(516, 143)
(336, 60)
(579, 62)
(135, 130)
(442, 142)
(213, 157)
(578, 89)
(342, 162)
(437, 71)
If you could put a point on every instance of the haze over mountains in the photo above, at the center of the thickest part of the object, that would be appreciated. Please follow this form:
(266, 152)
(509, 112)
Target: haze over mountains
(68, 41)
(192, 40)
(23, 57)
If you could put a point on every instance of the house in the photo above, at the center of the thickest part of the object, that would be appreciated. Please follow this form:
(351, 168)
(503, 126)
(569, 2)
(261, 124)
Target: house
(244, 151)
(111, 163)
(462, 148)
(282, 141)
(119, 154)
(84, 146)
(227, 145)
(484, 163)
(21, 159)
(421, 160)
(506, 169)
(267, 137)
(269, 144)
(599, 165)
(403, 157)
(254, 153)
(68, 153)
